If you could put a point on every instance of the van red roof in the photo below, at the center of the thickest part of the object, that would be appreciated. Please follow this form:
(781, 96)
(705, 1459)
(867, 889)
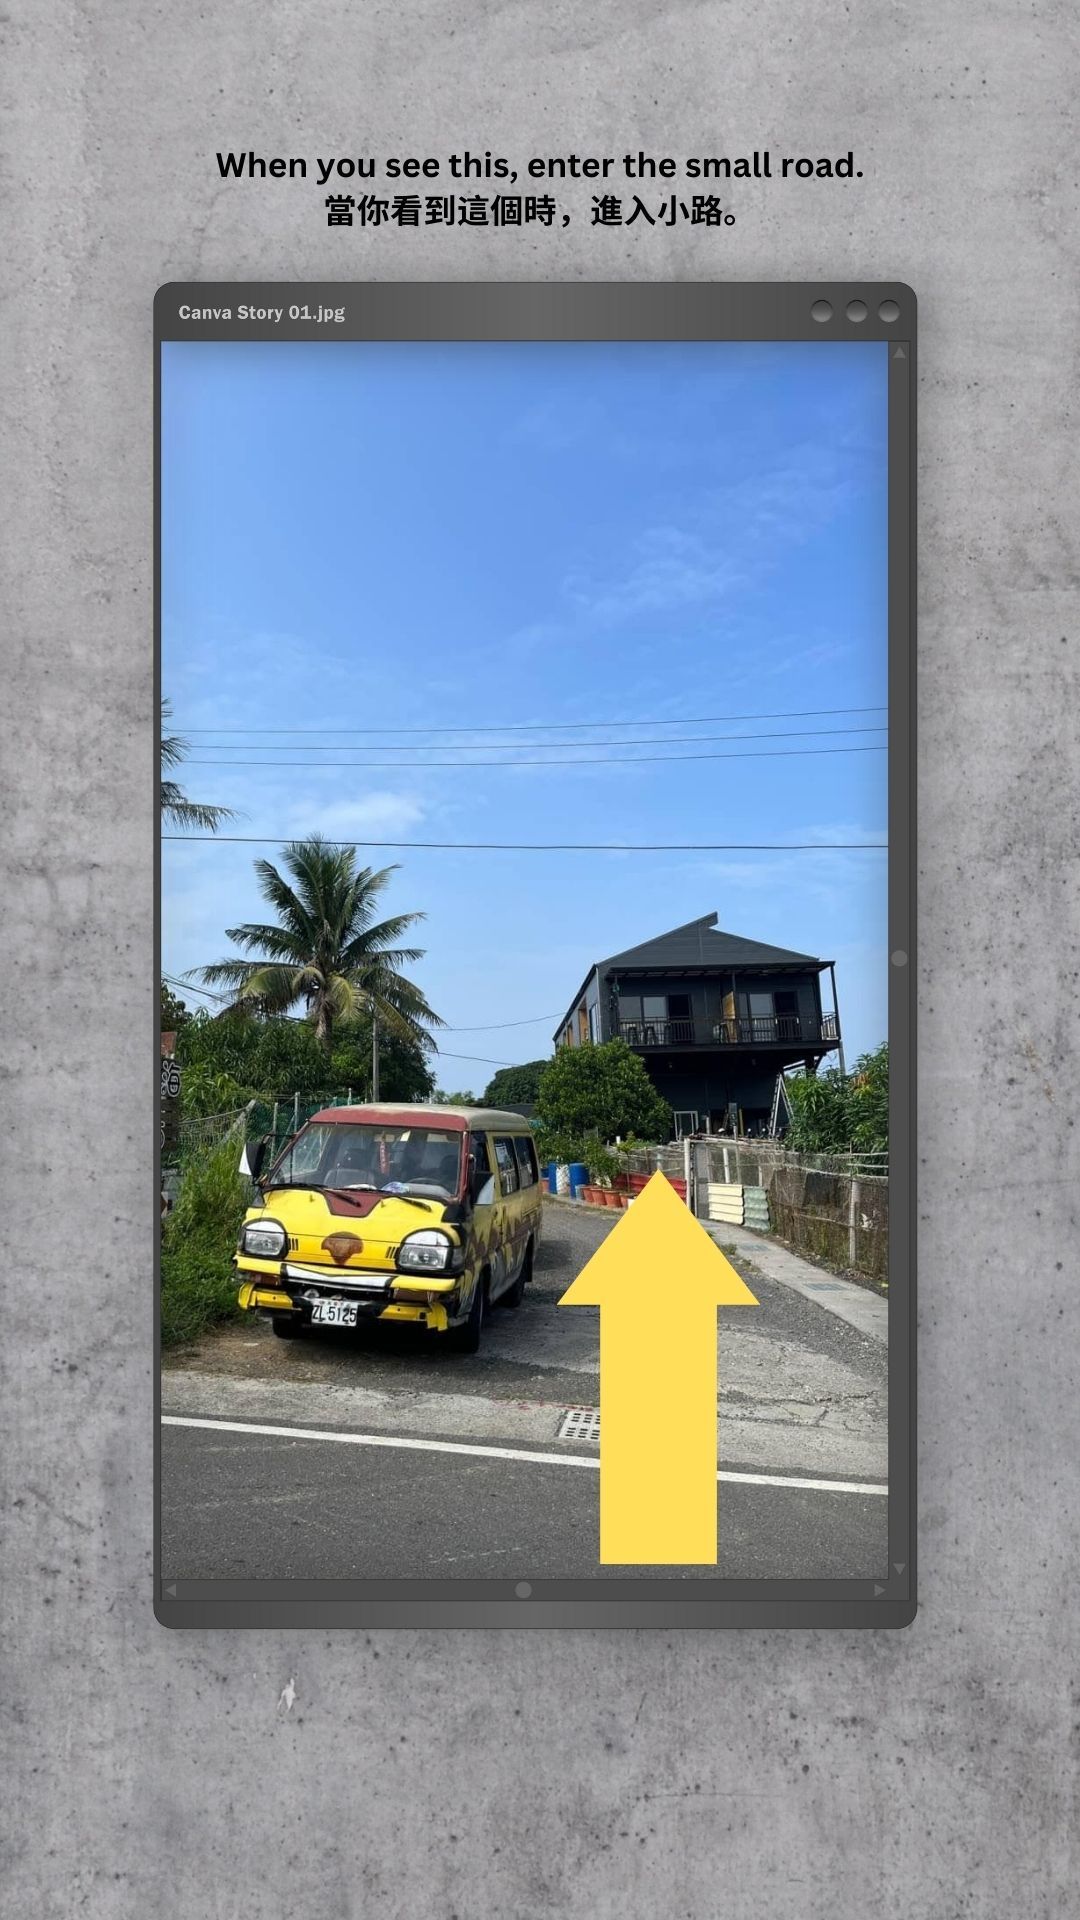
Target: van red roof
(442, 1117)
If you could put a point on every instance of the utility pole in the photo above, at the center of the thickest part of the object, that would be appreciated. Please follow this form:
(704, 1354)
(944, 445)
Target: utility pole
(374, 1057)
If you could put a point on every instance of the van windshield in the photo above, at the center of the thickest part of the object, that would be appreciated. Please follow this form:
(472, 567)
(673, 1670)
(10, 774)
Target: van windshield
(422, 1160)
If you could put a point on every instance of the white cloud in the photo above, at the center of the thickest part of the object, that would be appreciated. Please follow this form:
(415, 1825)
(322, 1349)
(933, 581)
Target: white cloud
(373, 813)
(674, 568)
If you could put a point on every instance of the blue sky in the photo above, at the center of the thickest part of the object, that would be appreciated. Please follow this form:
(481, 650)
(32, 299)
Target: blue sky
(370, 538)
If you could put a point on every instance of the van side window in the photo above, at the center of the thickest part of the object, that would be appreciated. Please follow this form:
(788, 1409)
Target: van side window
(526, 1159)
(479, 1164)
(507, 1159)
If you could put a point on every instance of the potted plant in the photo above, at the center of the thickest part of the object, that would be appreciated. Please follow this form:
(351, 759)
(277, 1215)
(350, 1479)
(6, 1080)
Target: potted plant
(603, 1167)
(624, 1179)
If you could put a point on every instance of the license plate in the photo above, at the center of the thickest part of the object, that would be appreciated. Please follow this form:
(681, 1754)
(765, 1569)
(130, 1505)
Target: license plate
(334, 1313)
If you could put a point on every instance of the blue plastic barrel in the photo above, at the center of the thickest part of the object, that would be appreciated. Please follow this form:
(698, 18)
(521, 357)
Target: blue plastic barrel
(579, 1177)
(549, 1177)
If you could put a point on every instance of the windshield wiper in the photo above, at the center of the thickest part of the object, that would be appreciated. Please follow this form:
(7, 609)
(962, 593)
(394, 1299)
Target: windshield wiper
(389, 1194)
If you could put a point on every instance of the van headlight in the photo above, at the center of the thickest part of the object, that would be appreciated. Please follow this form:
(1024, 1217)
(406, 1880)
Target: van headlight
(263, 1239)
(428, 1252)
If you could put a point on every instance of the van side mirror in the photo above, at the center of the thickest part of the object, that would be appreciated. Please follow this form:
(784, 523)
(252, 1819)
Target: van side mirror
(252, 1158)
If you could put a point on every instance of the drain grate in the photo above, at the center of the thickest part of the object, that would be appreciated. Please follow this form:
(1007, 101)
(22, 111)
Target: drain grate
(580, 1423)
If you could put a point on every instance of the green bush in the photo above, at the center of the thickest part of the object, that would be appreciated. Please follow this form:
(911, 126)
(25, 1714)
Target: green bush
(198, 1240)
(553, 1144)
(605, 1163)
(602, 1091)
(837, 1114)
(229, 1059)
(870, 1101)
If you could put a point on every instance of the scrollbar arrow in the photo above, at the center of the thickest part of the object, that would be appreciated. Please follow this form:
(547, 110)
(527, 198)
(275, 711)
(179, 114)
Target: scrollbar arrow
(899, 1565)
(878, 1590)
(899, 354)
(171, 1591)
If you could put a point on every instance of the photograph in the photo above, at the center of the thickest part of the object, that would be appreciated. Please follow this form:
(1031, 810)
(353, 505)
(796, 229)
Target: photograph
(510, 986)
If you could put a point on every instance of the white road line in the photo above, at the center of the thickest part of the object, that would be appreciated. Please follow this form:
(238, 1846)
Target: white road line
(498, 1453)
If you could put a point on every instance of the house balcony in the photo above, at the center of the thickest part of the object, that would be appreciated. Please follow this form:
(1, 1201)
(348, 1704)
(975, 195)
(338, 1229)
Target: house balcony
(772, 1030)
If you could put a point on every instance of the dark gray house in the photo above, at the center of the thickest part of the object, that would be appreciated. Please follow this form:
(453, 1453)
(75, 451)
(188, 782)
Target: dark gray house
(714, 1016)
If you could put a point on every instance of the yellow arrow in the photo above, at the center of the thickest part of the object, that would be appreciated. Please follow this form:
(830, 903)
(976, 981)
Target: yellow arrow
(658, 1280)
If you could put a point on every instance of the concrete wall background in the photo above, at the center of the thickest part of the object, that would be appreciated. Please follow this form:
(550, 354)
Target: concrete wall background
(794, 1777)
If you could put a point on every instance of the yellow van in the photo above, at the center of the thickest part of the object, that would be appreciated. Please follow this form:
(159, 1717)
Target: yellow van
(410, 1214)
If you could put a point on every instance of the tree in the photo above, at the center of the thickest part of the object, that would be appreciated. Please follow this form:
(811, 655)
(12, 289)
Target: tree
(837, 1113)
(405, 1061)
(870, 1100)
(513, 1084)
(174, 1014)
(602, 1090)
(819, 1112)
(175, 805)
(460, 1099)
(228, 1061)
(327, 949)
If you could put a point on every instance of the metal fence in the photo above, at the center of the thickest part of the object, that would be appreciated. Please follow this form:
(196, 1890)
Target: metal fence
(833, 1207)
(753, 1162)
(205, 1130)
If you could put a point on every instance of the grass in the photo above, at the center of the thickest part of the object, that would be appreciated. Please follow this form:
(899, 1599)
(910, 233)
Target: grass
(198, 1284)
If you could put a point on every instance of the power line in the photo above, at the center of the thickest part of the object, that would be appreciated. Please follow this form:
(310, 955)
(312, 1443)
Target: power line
(185, 986)
(499, 1026)
(553, 726)
(511, 746)
(545, 846)
(477, 1059)
(639, 760)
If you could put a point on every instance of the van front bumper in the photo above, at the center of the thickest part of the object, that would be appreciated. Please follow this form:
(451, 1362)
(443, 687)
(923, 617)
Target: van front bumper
(277, 1288)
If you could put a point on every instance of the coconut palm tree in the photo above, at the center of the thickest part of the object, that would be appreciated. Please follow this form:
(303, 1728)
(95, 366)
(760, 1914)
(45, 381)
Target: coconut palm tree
(175, 805)
(327, 949)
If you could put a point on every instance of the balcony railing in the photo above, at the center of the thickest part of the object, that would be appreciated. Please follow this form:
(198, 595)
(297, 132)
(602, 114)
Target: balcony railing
(766, 1029)
(759, 1030)
(662, 1033)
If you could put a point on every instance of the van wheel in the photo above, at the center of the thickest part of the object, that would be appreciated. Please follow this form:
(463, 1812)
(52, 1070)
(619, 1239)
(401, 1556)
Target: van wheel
(466, 1339)
(514, 1295)
(286, 1327)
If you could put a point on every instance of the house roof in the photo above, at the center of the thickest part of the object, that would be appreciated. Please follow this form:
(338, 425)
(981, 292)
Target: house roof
(699, 946)
(701, 943)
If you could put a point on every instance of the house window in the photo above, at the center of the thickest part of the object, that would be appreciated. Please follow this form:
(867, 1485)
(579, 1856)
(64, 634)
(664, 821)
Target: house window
(776, 1014)
(648, 1006)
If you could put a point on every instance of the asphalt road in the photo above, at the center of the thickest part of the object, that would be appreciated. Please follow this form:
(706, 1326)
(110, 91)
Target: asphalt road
(802, 1400)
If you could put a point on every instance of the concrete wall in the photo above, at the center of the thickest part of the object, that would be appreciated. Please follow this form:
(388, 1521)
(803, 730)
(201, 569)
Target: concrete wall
(832, 1218)
(760, 1775)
